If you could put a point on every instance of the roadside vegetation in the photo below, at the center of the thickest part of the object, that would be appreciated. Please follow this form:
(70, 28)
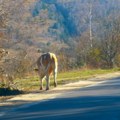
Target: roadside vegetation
(31, 83)
(93, 50)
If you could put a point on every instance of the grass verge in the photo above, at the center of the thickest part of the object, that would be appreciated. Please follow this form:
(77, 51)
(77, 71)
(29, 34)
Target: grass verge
(32, 83)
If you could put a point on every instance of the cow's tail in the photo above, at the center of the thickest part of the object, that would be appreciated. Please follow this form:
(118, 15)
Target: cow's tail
(41, 63)
(43, 67)
(46, 70)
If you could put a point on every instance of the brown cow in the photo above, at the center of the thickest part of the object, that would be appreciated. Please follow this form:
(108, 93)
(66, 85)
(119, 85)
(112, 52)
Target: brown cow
(47, 64)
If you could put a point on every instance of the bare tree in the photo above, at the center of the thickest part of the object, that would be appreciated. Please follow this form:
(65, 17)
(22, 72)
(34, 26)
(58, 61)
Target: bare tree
(110, 45)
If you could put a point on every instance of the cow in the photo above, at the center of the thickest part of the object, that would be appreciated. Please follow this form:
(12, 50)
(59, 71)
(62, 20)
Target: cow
(47, 64)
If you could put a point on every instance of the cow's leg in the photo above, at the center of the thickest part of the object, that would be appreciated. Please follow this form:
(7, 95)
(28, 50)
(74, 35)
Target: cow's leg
(55, 75)
(47, 82)
(41, 81)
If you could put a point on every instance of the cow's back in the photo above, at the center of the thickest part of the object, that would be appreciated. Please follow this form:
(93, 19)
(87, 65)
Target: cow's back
(47, 60)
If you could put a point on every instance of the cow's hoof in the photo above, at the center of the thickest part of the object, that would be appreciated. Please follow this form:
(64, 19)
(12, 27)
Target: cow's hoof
(41, 88)
(55, 84)
(47, 88)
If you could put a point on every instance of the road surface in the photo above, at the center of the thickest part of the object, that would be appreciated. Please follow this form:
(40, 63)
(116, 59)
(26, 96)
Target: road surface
(99, 102)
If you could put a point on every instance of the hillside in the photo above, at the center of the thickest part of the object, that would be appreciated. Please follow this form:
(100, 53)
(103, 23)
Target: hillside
(82, 33)
(61, 26)
(71, 18)
(41, 22)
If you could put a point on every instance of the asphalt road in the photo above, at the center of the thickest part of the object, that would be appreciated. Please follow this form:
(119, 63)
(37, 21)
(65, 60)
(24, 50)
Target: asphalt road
(99, 102)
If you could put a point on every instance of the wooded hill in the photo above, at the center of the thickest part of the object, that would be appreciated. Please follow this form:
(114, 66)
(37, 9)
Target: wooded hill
(36, 21)
(80, 32)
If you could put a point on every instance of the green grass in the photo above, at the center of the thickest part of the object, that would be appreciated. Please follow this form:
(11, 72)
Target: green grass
(32, 83)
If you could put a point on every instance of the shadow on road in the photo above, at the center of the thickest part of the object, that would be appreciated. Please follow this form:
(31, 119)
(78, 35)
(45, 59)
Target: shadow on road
(84, 108)
(8, 92)
(99, 102)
